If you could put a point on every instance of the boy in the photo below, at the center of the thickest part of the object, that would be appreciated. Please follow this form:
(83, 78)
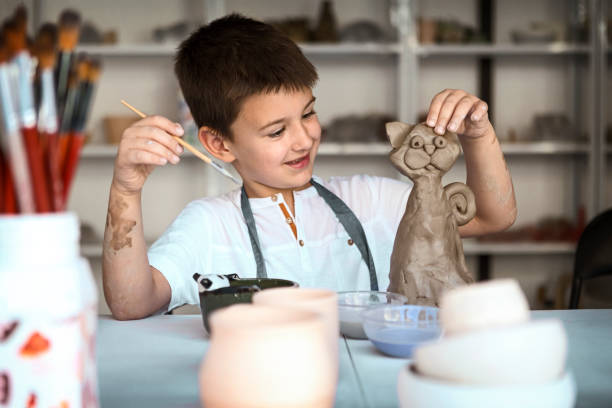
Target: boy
(249, 89)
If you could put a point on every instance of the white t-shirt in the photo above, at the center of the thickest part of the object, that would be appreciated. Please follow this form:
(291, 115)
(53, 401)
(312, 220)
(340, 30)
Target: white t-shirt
(210, 236)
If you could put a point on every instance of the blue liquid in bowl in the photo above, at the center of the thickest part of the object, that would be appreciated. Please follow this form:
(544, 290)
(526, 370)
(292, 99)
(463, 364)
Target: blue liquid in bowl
(399, 342)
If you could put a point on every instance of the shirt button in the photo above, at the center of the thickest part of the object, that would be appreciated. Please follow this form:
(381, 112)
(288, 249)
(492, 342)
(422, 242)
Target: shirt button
(289, 220)
(274, 197)
(350, 242)
(301, 242)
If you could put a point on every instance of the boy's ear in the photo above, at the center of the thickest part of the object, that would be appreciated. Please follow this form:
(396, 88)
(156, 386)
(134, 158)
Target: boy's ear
(215, 143)
(397, 131)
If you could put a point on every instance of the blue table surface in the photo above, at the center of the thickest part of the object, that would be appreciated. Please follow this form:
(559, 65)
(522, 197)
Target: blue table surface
(154, 362)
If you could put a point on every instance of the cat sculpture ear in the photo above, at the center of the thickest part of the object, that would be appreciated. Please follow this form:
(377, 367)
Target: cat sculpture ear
(397, 131)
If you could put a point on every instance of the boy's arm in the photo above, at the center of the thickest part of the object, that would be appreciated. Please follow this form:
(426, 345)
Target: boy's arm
(132, 288)
(487, 173)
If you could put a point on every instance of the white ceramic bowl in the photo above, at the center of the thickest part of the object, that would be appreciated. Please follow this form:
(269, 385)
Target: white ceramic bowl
(483, 305)
(528, 353)
(397, 329)
(352, 304)
(417, 391)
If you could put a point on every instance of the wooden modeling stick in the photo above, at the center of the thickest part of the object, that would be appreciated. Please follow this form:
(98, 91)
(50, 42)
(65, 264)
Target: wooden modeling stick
(189, 147)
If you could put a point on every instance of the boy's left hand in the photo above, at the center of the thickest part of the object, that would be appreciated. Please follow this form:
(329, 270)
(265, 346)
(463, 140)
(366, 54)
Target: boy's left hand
(460, 112)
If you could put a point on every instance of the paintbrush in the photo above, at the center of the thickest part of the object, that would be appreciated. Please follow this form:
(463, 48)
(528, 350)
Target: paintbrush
(91, 70)
(16, 161)
(68, 36)
(16, 40)
(45, 45)
(66, 120)
(189, 147)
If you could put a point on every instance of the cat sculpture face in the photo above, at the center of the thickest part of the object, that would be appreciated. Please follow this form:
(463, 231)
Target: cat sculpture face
(418, 151)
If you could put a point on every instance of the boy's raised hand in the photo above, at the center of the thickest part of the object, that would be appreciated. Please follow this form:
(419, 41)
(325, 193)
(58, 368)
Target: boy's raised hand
(144, 145)
(460, 112)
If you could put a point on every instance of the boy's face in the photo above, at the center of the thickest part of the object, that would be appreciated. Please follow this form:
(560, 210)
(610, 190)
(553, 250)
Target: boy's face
(276, 138)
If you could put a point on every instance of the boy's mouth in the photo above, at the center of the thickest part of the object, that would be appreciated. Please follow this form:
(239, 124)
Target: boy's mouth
(299, 163)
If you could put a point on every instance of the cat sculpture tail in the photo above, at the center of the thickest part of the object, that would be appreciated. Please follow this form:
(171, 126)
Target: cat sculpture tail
(462, 201)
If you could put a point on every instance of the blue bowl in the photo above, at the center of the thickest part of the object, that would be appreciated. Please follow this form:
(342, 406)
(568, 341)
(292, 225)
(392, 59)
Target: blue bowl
(396, 329)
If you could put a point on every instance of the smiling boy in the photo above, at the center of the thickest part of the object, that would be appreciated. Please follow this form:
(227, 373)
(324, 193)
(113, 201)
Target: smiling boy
(249, 89)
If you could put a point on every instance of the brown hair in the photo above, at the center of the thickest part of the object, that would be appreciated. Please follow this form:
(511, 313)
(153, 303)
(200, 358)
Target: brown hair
(221, 64)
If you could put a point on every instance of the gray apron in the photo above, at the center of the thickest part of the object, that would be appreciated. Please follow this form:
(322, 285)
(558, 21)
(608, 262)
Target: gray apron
(344, 214)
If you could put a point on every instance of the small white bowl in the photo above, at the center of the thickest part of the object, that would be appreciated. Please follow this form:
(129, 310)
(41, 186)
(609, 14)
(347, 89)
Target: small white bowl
(528, 353)
(397, 329)
(417, 391)
(352, 304)
(483, 305)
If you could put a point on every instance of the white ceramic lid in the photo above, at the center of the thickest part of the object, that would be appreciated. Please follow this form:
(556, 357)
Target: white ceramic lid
(483, 305)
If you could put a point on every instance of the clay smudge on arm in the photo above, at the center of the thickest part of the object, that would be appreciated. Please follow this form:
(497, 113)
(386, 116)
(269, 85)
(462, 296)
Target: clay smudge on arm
(121, 226)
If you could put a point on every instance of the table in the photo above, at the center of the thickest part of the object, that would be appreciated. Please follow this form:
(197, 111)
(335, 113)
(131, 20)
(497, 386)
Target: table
(154, 362)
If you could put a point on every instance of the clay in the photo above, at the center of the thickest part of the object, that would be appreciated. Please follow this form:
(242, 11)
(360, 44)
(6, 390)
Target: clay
(121, 226)
(427, 257)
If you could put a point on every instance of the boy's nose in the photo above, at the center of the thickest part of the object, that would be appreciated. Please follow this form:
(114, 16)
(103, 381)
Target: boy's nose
(303, 140)
(430, 148)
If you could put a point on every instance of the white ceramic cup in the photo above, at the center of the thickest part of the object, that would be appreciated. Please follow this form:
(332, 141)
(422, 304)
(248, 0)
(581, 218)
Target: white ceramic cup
(263, 356)
(322, 301)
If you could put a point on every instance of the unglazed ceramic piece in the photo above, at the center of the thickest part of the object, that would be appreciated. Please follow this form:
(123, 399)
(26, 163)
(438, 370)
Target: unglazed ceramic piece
(528, 353)
(427, 257)
(322, 301)
(483, 305)
(417, 391)
(262, 356)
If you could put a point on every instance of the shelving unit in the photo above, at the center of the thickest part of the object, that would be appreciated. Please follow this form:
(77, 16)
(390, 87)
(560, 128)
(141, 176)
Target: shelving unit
(400, 63)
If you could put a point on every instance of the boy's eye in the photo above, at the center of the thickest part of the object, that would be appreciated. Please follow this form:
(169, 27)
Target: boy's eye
(278, 132)
(309, 114)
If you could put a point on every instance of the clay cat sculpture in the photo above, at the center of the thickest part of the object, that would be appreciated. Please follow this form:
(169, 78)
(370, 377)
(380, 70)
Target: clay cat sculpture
(427, 256)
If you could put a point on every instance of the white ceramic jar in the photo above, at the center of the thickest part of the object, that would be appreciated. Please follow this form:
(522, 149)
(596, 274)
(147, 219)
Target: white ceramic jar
(48, 314)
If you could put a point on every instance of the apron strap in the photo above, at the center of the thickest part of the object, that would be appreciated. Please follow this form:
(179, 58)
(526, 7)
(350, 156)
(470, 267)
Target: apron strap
(353, 227)
(345, 215)
(250, 222)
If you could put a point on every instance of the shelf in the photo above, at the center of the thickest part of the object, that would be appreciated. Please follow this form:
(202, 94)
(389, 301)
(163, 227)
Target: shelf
(101, 151)
(472, 247)
(356, 149)
(166, 50)
(544, 147)
(501, 50)
(130, 50)
(91, 250)
(331, 49)
(351, 49)
(98, 151)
